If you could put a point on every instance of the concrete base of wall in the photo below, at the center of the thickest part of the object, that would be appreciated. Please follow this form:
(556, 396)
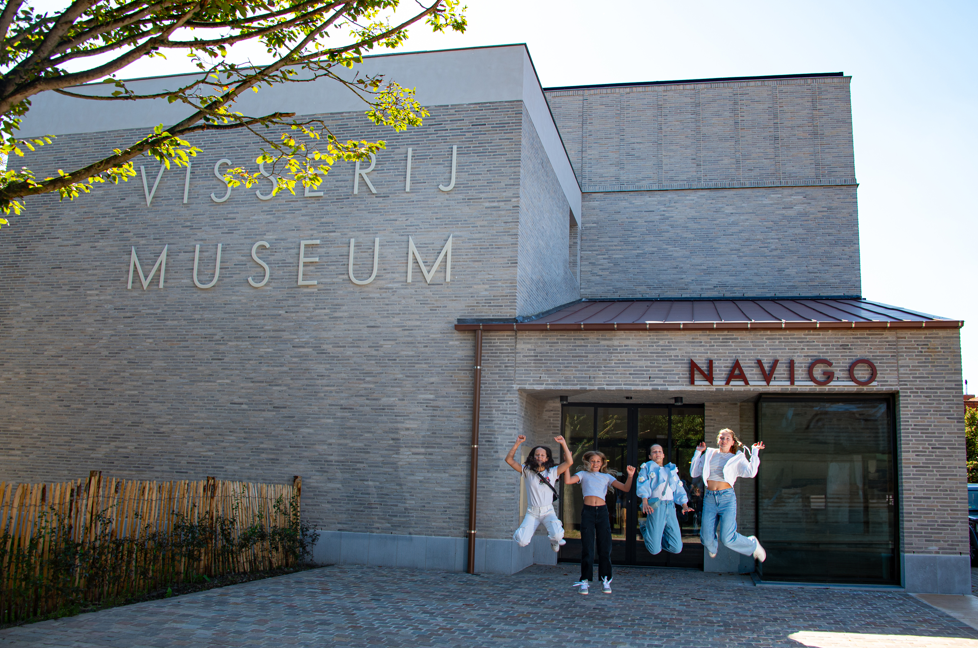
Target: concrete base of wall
(934, 574)
(430, 552)
(727, 562)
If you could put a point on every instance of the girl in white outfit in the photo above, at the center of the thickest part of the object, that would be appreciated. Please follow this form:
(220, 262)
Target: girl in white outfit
(720, 468)
(540, 475)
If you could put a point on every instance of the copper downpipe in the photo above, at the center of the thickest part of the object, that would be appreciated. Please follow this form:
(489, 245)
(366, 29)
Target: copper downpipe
(474, 467)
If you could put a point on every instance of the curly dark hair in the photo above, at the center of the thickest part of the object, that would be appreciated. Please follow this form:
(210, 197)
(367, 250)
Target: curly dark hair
(531, 461)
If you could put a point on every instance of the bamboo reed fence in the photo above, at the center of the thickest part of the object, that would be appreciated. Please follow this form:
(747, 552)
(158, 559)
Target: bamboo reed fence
(106, 538)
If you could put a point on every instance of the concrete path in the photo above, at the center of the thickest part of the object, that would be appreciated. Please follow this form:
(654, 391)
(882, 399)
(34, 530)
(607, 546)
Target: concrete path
(370, 606)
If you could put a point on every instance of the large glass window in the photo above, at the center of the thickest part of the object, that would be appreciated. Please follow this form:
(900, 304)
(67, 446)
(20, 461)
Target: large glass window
(827, 485)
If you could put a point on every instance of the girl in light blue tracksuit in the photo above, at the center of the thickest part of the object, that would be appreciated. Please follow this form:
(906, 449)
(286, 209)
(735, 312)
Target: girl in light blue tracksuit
(661, 489)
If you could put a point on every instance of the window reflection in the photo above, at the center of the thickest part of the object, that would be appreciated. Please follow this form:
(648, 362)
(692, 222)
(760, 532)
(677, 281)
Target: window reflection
(826, 491)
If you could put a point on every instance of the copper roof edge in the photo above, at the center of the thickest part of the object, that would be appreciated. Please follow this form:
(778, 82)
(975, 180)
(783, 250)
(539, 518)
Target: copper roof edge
(802, 313)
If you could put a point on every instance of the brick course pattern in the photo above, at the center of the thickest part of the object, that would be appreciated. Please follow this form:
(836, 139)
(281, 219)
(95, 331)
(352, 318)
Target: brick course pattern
(918, 366)
(364, 391)
(800, 241)
(785, 145)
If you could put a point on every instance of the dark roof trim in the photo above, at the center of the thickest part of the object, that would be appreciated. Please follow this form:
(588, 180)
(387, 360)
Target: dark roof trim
(702, 314)
(771, 77)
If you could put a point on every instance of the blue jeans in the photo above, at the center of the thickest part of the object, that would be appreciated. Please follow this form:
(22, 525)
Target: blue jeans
(661, 529)
(722, 505)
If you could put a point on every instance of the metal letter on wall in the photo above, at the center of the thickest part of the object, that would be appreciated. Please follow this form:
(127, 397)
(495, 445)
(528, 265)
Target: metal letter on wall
(254, 255)
(446, 253)
(827, 376)
(357, 173)
(146, 192)
(303, 259)
(186, 184)
(217, 267)
(407, 176)
(694, 368)
(217, 174)
(134, 263)
(451, 185)
(373, 275)
(872, 372)
(270, 194)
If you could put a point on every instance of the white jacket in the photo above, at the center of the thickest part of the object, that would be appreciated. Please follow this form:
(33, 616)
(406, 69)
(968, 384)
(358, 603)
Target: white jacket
(738, 466)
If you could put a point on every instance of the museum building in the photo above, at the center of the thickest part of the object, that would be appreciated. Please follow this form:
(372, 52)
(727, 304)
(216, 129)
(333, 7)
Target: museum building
(622, 264)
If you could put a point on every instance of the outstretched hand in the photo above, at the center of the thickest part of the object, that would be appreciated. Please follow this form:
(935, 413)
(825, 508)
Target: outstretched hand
(759, 445)
(701, 447)
(559, 439)
(686, 509)
(630, 470)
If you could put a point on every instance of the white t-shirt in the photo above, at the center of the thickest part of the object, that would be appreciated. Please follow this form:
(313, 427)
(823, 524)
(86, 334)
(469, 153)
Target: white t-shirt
(537, 493)
(595, 484)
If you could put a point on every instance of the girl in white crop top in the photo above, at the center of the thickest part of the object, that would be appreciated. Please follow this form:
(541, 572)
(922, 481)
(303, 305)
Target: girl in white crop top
(540, 474)
(720, 467)
(594, 518)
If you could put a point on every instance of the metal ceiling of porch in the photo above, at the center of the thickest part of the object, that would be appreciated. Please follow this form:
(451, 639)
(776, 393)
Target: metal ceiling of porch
(719, 314)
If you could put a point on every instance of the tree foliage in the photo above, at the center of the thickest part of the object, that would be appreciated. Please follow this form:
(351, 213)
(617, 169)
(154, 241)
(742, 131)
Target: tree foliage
(971, 440)
(94, 40)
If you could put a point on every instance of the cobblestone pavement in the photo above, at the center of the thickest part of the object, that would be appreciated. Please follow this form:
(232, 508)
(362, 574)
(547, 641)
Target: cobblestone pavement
(370, 606)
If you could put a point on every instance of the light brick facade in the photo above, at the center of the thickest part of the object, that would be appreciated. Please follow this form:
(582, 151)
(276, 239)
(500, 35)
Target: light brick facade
(725, 188)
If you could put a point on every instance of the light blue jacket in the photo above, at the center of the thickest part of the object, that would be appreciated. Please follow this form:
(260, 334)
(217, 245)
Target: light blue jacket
(651, 476)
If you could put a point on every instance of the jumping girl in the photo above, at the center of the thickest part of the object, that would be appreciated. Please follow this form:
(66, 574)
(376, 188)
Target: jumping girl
(594, 517)
(540, 475)
(661, 489)
(720, 469)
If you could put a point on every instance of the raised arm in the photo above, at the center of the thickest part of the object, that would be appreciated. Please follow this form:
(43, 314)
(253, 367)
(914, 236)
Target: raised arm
(511, 456)
(568, 456)
(755, 459)
(696, 465)
(627, 486)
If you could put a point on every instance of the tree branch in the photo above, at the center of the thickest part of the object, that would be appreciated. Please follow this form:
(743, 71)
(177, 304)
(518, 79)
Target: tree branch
(78, 78)
(7, 17)
(26, 67)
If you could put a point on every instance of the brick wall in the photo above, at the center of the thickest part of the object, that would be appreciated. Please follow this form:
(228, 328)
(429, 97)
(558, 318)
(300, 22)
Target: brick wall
(921, 367)
(785, 145)
(722, 243)
(749, 133)
(545, 278)
(364, 391)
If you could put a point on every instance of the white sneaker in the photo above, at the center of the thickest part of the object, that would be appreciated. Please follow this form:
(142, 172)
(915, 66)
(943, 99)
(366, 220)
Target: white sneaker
(606, 585)
(759, 552)
(712, 555)
(557, 544)
(583, 585)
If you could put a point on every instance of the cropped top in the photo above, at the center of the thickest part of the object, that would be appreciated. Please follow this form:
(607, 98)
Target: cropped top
(595, 484)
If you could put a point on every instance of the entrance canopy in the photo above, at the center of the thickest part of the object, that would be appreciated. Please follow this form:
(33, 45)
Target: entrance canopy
(697, 314)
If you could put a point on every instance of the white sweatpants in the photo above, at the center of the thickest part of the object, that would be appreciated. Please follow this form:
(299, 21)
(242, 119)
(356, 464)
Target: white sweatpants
(536, 515)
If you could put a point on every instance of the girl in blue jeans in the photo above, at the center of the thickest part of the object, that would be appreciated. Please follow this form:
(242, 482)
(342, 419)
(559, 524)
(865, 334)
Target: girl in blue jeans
(661, 489)
(720, 468)
(594, 517)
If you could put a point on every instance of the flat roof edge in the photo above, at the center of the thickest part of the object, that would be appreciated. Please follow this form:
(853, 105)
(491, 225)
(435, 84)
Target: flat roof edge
(769, 77)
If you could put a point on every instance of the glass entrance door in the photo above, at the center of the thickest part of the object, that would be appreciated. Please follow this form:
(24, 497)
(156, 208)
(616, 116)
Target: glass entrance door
(624, 435)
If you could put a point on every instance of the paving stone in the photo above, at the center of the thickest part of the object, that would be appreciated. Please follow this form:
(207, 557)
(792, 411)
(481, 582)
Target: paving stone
(357, 606)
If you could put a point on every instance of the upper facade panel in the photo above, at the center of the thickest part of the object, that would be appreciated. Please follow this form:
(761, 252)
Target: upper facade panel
(761, 132)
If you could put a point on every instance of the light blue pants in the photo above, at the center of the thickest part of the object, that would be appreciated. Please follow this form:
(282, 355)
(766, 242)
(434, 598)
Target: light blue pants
(661, 529)
(722, 505)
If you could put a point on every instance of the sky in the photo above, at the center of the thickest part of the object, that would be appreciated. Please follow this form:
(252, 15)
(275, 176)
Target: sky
(914, 100)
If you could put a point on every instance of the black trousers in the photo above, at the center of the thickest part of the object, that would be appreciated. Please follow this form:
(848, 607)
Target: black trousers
(594, 521)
